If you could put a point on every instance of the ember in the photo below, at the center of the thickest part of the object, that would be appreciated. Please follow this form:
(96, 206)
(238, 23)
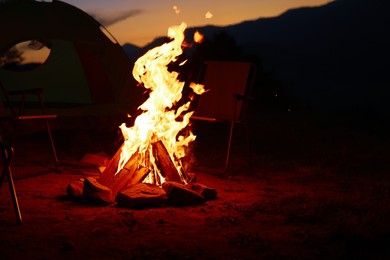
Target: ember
(154, 145)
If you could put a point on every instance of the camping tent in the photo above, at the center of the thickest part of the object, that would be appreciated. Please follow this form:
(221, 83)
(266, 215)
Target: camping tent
(85, 65)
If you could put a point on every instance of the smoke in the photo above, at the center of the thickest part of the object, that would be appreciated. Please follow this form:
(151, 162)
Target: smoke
(112, 18)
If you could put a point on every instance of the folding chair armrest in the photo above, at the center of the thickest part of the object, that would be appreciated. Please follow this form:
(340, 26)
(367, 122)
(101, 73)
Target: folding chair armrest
(27, 117)
(33, 91)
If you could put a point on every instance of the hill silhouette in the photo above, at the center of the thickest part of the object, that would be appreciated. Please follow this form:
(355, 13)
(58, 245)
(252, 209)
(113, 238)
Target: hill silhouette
(331, 57)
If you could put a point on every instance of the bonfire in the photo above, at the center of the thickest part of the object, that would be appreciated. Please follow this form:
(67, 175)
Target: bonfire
(147, 169)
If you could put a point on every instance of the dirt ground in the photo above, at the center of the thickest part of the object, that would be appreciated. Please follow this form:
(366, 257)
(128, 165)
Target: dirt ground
(312, 190)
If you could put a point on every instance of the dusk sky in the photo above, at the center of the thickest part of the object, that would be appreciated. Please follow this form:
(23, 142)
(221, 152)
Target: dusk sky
(140, 21)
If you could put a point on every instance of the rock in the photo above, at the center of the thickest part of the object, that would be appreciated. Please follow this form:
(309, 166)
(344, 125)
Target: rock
(75, 189)
(181, 195)
(97, 193)
(141, 195)
(207, 192)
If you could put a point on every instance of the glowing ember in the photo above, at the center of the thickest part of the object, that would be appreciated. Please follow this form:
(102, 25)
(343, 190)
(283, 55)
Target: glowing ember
(176, 9)
(198, 37)
(197, 88)
(159, 120)
(208, 15)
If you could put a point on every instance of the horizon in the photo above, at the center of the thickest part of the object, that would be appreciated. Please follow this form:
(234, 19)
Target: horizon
(140, 22)
(118, 22)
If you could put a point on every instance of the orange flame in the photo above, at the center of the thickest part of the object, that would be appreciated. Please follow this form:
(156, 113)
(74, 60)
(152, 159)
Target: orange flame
(198, 88)
(159, 121)
(198, 37)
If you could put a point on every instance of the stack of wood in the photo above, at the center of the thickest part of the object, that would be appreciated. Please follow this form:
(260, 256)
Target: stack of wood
(127, 188)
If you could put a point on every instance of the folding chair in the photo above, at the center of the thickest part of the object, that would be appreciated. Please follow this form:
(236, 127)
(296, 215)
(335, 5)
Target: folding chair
(21, 114)
(7, 153)
(229, 84)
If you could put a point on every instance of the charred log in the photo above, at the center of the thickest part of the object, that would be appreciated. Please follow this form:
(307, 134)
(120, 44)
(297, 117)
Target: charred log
(139, 175)
(108, 174)
(124, 176)
(164, 162)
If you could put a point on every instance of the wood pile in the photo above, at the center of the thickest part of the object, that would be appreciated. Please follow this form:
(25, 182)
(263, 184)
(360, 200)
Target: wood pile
(126, 188)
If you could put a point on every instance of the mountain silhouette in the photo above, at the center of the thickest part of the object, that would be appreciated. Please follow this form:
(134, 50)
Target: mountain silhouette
(131, 50)
(331, 57)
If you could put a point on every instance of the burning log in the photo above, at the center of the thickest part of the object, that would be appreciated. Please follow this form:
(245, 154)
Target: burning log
(141, 195)
(139, 175)
(164, 162)
(108, 174)
(122, 178)
(127, 189)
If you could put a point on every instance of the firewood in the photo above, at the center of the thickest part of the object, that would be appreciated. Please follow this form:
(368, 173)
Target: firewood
(75, 189)
(108, 174)
(164, 162)
(123, 177)
(181, 195)
(207, 192)
(141, 195)
(139, 175)
(97, 193)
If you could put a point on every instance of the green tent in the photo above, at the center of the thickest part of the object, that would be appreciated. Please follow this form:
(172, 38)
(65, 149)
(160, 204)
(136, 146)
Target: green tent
(86, 65)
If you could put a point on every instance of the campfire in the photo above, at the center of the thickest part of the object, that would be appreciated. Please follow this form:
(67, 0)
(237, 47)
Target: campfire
(147, 169)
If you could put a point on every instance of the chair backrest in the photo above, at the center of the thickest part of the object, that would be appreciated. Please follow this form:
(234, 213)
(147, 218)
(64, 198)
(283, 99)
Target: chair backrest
(222, 79)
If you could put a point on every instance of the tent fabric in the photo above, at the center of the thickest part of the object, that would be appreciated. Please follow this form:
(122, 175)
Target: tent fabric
(61, 76)
(84, 65)
(96, 77)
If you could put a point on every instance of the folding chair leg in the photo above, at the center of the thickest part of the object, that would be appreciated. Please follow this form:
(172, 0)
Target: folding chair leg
(232, 122)
(7, 155)
(15, 202)
(57, 169)
(229, 147)
(249, 144)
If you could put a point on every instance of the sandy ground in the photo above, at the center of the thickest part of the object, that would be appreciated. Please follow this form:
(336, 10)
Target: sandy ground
(310, 194)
